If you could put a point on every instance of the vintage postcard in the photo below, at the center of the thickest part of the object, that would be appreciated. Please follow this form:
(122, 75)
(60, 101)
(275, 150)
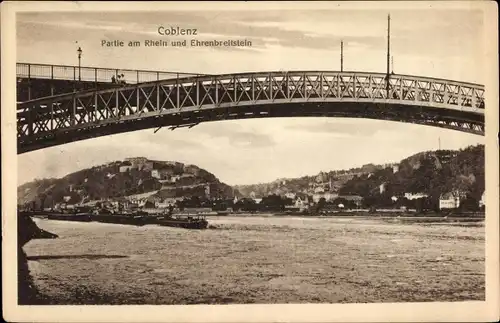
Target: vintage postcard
(250, 161)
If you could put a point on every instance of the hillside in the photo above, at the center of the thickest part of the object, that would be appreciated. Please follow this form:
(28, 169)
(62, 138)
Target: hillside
(307, 184)
(432, 173)
(123, 178)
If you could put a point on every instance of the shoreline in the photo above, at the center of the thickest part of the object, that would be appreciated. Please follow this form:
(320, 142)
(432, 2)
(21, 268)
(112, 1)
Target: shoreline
(409, 220)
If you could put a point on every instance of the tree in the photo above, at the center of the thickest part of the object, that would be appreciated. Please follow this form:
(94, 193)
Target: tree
(469, 204)
(246, 204)
(321, 204)
(419, 205)
(273, 203)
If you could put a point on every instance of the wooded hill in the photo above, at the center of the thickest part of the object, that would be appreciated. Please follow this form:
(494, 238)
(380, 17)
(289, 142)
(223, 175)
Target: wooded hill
(432, 173)
(106, 181)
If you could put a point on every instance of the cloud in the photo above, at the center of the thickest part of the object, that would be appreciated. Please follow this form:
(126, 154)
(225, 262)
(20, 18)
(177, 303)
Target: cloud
(167, 138)
(361, 30)
(239, 137)
(342, 129)
(209, 25)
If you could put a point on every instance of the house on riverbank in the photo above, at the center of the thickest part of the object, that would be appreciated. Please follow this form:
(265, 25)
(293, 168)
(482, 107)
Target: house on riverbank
(450, 200)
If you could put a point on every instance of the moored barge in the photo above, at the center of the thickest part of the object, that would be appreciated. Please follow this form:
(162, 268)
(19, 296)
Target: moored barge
(137, 218)
(130, 219)
(188, 222)
(81, 217)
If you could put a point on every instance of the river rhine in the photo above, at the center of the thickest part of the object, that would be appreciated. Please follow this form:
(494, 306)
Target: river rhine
(259, 260)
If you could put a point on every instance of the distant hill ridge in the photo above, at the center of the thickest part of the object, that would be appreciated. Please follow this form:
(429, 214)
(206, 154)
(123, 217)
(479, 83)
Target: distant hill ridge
(307, 184)
(431, 172)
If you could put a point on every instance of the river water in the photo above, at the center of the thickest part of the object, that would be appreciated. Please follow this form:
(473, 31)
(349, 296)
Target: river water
(259, 260)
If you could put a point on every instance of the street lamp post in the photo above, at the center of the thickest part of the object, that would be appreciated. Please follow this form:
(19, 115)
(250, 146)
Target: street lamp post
(79, 50)
(341, 55)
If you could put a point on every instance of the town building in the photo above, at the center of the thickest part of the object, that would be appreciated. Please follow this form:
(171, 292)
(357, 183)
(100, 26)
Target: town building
(278, 192)
(125, 168)
(140, 163)
(301, 204)
(175, 178)
(162, 205)
(319, 189)
(257, 200)
(136, 160)
(328, 196)
(304, 197)
(321, 177)
(161, 174)
(146, 166)
(138, 202)
(155, 174)
(191, 169)
(356, 199)
(290, 195)
(482, 201)
(450, 200)
(414, 196)
(165, 203)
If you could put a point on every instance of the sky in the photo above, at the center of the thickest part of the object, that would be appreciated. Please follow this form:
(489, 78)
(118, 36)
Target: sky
(428, 42)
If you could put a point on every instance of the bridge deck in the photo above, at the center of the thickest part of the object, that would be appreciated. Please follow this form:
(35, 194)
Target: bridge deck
(192, 99)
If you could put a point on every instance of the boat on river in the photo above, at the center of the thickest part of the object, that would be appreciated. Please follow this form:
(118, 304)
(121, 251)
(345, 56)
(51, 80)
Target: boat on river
(130, 219)
(137, 218)
(179, 221)
(81, 217)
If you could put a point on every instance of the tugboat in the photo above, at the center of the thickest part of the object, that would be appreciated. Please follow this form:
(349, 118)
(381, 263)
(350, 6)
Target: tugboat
(186, 222)
(79, 214)
(107, 216)
(181, 221)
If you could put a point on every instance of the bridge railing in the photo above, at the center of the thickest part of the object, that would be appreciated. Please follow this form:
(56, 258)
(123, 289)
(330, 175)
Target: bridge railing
(92, 74)
(190, 100)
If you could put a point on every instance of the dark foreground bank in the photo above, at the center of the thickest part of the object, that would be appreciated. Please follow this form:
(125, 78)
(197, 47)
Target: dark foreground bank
(28, 294)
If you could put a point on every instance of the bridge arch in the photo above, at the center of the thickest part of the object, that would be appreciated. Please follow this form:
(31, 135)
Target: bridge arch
(187, 101)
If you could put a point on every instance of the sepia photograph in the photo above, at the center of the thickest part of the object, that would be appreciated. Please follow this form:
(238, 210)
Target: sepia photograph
(232, 154)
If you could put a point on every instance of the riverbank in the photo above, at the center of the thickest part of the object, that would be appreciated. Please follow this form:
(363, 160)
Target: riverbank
(258, 260)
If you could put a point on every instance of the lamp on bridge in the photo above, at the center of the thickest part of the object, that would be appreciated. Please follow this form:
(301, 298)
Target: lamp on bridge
(79, 50)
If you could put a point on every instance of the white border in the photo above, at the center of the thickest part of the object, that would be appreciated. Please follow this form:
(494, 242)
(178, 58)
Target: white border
(474, 311)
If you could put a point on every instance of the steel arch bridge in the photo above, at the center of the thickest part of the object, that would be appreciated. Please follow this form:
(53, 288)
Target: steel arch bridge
(187, 101)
